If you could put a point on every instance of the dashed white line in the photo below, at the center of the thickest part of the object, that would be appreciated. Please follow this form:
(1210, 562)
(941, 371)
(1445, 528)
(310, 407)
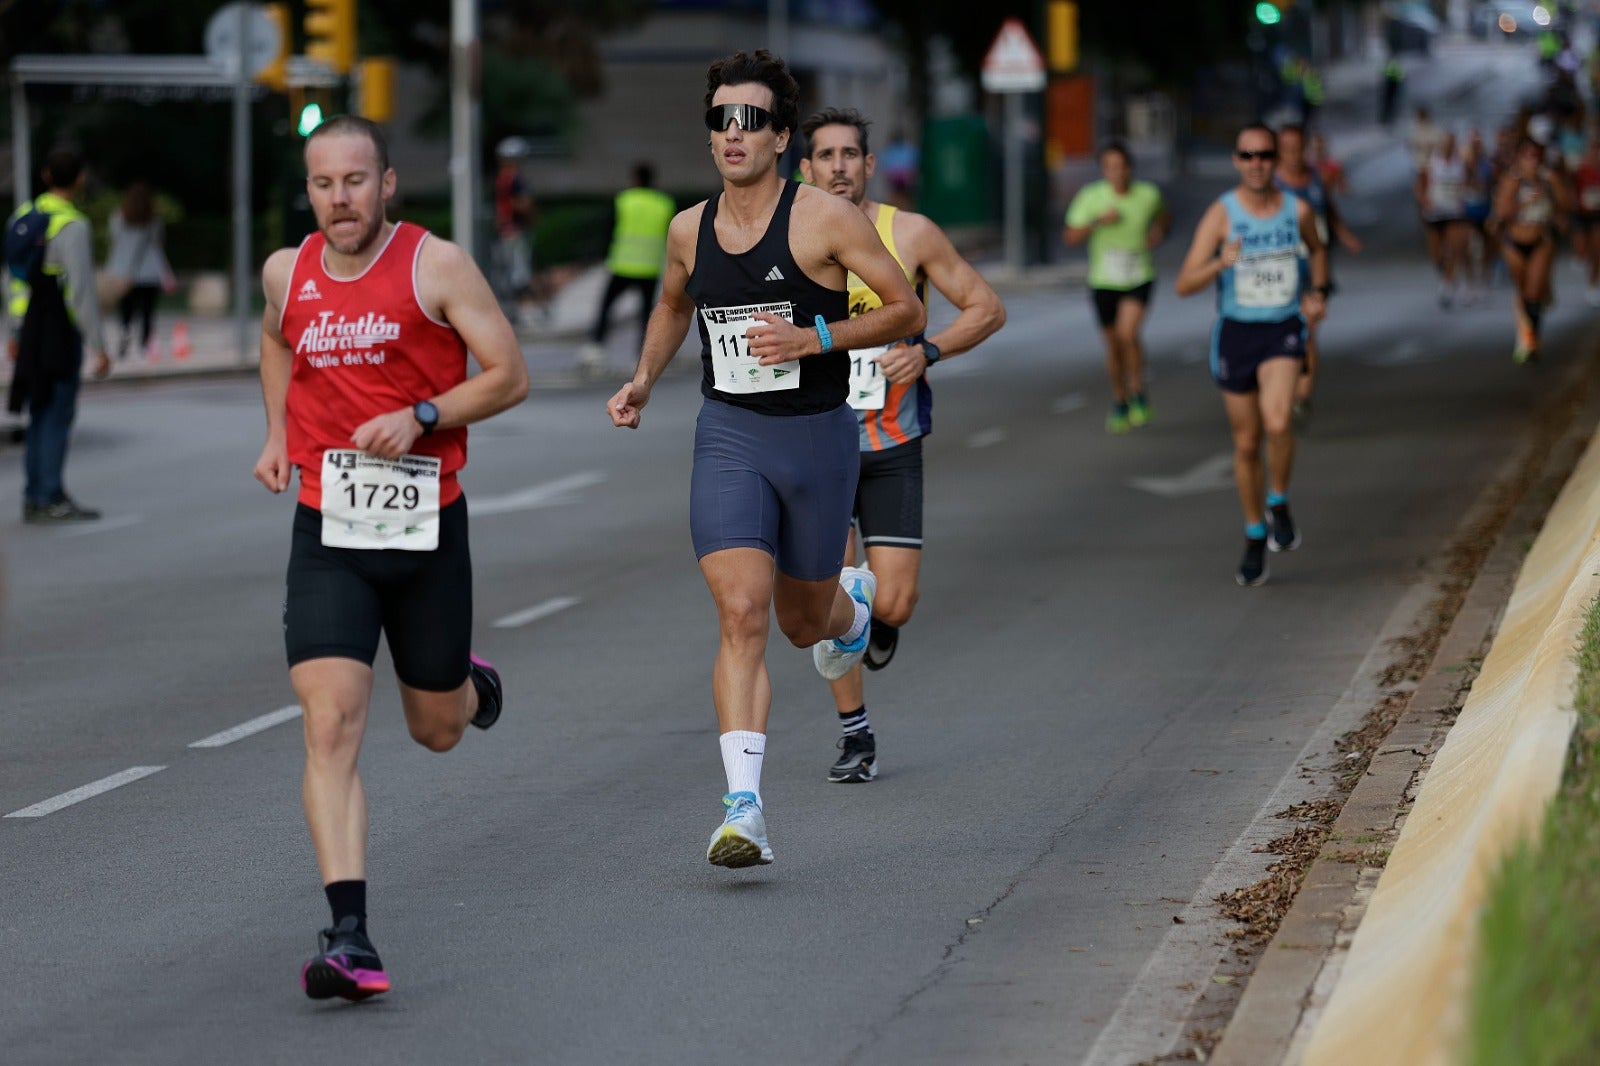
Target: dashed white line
(532, 614)
(551, 492)
(89, 791)
(1073, 401)
(250, 728)
(986, 438)
(102, 527)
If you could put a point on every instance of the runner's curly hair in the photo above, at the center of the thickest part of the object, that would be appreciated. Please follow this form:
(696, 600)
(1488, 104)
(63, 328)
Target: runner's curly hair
(760, 67)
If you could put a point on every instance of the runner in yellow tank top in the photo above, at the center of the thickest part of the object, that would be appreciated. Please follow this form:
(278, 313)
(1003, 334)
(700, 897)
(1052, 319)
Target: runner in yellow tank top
(894, 406)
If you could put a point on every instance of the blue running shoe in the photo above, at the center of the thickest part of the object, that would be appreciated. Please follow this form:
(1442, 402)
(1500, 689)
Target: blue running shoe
(741, 839)
(833, 658)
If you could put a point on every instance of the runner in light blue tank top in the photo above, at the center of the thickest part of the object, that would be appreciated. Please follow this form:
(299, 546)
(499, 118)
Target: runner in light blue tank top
(1250, 244)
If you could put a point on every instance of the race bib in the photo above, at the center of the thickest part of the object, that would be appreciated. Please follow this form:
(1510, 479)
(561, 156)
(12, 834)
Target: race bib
(1271, 279)
(368, 502)
(869, 389)
(1589, 198)
(1446, 197)
(1122, 268)
(733, 368)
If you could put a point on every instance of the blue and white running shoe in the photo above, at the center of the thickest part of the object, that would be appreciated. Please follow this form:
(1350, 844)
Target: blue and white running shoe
(741, 839)
(833, 658)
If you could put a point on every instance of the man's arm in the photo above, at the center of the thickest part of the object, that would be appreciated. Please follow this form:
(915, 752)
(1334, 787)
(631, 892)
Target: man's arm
(1203, 265)
(668, 325)
(981, 311)
(1313, 304)
(1336, 225)
(452, 288)
(72, 249)
(273, 468)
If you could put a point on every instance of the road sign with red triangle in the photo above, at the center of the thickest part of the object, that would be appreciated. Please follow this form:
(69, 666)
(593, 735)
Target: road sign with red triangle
(1013, 63)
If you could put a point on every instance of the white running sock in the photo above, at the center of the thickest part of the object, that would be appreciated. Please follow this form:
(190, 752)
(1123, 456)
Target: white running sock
(741, 759)
(859, 626)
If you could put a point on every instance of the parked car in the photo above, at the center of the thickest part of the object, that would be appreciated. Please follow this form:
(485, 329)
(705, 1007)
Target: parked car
(1410, 26)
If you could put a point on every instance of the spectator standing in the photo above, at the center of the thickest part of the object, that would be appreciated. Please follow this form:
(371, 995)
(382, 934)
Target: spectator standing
(138, 261)
(638, 252)
(514, 215)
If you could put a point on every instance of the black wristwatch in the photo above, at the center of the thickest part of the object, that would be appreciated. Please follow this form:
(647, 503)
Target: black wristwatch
(1324, 291)
(931, 352)
(427, 414)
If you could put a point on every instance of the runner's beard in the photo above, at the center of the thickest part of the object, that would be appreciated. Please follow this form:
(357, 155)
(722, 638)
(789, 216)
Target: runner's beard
(362, 241)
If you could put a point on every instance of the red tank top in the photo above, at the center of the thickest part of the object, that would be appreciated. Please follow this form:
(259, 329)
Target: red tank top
(364, 346)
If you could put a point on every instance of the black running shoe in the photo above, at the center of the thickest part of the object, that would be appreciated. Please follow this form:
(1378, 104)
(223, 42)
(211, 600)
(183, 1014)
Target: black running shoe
(881, 645)
(1285, 535)
(858, 758)
(66, 509)
(486, 679)
(1253, 567)
(346, 966)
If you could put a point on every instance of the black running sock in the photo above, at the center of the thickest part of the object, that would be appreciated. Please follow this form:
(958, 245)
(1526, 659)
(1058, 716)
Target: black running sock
(348, 899)
(1535, 311)
(854, 721)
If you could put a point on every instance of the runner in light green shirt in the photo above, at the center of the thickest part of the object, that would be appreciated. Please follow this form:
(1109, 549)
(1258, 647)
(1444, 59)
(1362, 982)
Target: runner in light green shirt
(1122, 220)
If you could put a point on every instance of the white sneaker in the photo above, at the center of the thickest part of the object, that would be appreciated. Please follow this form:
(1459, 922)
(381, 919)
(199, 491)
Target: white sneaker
(591, 356)
(741, 839)
(834, 659)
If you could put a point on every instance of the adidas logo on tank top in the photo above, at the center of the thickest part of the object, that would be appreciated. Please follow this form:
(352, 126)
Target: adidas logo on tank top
(774, 274)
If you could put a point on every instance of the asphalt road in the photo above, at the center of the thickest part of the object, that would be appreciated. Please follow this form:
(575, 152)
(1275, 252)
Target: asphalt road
(1083, 718)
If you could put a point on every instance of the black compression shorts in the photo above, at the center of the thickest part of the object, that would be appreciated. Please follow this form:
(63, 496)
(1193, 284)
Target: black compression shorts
(889, 496)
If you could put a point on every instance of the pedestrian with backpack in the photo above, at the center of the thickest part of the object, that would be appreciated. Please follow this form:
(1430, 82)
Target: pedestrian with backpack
(55, 315)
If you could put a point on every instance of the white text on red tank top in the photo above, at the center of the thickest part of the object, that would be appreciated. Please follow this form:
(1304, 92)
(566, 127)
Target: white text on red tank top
(330, 341)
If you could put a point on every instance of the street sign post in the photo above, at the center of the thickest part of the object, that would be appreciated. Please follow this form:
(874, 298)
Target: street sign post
(1013, 66)
(243, 29)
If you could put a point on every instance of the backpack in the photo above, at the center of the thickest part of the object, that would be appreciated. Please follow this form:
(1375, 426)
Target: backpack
(26, 237)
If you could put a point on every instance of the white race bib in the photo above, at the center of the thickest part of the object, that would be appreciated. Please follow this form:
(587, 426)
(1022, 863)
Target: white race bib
(1589, 199)
(1122, 268)
(869, 389)
(1271, 279)
(1446, 197)
(368, 502)
(733, 368)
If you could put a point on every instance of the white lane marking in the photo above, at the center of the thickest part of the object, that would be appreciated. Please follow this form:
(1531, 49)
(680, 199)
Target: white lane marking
(986, 438)
(551, 492)
(102, 527)
(1072, 401)
(250, 728)
(536, 612)
(89, 791)
(1213, 474)
(1409, 350)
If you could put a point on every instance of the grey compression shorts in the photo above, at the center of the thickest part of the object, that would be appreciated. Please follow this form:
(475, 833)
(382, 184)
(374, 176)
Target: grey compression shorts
(784, 484)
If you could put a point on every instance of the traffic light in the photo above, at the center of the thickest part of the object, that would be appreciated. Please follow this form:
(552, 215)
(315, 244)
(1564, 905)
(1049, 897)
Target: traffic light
(310, 118)
(375, 85)
(1061, 36)
(1268, 13)
(276, 75)
(330, 27)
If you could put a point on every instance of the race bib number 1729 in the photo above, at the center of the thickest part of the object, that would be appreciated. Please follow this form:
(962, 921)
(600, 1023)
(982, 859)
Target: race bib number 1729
(368, 502)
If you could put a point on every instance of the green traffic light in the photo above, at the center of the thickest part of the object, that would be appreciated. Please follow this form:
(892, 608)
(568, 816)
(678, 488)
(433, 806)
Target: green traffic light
(310, 118)
(1268, 14)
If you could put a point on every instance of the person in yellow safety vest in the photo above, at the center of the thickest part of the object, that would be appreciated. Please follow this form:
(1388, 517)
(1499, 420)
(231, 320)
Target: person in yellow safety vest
(638, 252)
(1311, 94)
(55, 315)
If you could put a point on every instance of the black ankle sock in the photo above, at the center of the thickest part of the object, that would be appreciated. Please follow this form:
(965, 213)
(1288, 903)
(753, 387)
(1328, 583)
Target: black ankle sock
(1535, 311)
(855, 721)
(348, 899)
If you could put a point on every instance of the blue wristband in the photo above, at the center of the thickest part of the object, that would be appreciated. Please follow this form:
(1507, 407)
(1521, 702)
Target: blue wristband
(823, 335)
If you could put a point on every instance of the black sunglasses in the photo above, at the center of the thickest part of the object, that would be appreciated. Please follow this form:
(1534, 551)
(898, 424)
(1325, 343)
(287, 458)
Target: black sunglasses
(1266, 154)
(749, 117)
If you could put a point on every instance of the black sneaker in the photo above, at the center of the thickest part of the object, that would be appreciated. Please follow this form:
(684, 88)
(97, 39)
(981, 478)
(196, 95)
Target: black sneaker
(880, 645)
(486, 679)
(346, 966)
(1285, 535)
(858, 758)
(1253, 567)
(65, 509)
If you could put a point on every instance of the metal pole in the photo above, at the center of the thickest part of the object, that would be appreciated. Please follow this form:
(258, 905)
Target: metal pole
(1013, 135)
(21, 140)
(778, 27)
(241, 191)
(464, 134)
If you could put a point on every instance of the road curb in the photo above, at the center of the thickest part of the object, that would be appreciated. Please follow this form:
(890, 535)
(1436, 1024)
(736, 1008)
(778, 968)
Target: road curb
(1296, 975)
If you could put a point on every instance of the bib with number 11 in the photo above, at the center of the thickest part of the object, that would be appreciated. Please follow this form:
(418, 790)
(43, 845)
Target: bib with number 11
(370, 503)
(733, 368)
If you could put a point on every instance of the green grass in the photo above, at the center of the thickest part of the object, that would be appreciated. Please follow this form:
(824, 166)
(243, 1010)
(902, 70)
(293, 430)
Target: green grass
(1536, 992)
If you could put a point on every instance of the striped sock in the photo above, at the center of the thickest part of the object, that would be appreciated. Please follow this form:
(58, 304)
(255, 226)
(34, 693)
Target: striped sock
(854, 721)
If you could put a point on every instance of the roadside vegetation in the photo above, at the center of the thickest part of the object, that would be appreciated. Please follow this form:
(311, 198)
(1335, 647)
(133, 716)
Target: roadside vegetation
(1535, 1001)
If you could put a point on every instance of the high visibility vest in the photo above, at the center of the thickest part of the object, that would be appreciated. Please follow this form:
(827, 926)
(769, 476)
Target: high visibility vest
(61, 212)
(1313, 88)
(639, 242)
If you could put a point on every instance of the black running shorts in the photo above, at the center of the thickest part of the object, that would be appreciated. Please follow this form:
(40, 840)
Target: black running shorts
(1106, 301)
(1239, 348)
(889, 496)
(337, 600)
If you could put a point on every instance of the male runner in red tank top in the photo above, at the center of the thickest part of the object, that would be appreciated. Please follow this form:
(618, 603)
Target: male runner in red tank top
(364, 349)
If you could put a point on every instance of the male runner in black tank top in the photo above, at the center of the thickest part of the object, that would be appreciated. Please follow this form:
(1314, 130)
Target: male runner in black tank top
(762, 267)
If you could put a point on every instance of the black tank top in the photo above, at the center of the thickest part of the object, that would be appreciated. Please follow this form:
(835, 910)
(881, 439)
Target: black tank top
(728, 288)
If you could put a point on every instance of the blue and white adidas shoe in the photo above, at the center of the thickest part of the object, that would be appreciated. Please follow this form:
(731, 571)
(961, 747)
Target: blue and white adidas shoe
(741, 839)
(833, 658)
